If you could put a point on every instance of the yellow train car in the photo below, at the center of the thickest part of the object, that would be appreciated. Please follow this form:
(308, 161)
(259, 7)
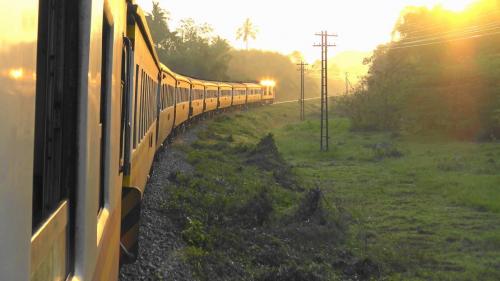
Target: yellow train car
(225, 95)
(254, 93)
(84, 104)
(182, 100)
(166, 105)
(211, 96)
(144, 115)
(239, 93)
(197, 98)
(268, 91)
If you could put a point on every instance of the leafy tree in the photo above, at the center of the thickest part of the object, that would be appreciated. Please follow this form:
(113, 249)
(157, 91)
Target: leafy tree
(246, 32)
(439, 74)
(157, 21)
(190, 50)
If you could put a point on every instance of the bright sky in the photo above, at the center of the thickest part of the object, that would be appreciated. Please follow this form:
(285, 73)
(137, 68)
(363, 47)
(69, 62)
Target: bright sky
(286, 25)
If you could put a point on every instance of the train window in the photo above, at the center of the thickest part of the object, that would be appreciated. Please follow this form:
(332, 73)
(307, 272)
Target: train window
(135, 105)
(171, 96)
(123, 106)
(146, 105)
(106, 77)
(167, 93)
(55, 111)
(162, 97)
(150, 97)
(143, 92)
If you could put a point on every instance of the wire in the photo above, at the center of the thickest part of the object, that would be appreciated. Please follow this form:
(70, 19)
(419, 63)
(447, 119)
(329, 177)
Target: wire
(447, 36)
(437, 25)
(445, 41)
(456, 30)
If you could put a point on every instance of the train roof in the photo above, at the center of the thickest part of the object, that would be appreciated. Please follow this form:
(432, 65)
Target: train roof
(237, 85)
(179, 77)
(196, 82)
(223, 84)
(253, 85)
(209, 83)
(167, 70)
(140, 18)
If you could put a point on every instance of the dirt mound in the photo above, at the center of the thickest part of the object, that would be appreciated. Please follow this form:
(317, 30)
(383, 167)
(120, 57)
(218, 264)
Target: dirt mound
(267, 157)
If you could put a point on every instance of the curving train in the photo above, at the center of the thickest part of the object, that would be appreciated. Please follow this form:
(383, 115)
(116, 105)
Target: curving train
(84, 106)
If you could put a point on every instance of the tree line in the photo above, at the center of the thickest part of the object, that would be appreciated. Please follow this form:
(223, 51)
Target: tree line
(440, 73)
(194, 50)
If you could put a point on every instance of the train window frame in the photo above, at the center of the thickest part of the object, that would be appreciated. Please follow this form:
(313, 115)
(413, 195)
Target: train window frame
(56, 116)
(106, 96)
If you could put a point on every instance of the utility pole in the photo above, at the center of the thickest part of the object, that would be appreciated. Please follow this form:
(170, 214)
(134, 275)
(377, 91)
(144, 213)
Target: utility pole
(302, 89)
(325, 139)
(347, 83)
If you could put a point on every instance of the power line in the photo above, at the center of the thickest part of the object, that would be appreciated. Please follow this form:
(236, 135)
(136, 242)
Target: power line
(456, 30)
(447, 36)
(445, 41)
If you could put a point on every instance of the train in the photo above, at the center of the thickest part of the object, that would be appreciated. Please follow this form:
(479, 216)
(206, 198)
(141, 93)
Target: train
(85, 104)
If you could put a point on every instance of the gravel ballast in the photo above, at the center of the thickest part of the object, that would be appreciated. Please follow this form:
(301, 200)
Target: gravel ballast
(159, 240)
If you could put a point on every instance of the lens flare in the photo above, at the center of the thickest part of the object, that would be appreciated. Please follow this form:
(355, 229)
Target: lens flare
(455, 5)
(268, 83)
(16, 73)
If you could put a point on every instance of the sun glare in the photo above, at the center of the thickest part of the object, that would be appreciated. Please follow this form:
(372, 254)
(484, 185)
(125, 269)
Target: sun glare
(16, 73)
(268, 83)
(455, 5)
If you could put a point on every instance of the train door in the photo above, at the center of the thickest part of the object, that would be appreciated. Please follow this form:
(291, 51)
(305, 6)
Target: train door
(55, 151)
(127, 74)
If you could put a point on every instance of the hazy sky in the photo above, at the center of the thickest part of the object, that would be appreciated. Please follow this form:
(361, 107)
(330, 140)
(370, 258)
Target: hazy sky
(286, 26)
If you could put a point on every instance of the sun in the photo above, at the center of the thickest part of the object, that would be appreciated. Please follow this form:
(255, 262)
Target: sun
(455, 5)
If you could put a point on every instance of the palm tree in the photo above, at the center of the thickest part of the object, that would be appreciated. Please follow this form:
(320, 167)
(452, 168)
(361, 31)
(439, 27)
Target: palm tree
(247, 31)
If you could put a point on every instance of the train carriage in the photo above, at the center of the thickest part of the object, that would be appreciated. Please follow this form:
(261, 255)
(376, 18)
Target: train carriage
(268, 91)
(211, 96)
(182, 99)
(254, 93)
(166, 104)
(143, 118)
(225, 95)
(197, 98)
(60, 65)
(239, 93)
(84, 104)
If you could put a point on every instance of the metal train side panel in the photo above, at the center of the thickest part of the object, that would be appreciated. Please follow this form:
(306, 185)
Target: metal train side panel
(239, 94)
(211, 91)
(98, 172)
(254, 93)
(145, 146)
(225, 100)
(18, 43)
(143, 126)
(181, 107)
(108, 220)
(168, 113)
(197, 102)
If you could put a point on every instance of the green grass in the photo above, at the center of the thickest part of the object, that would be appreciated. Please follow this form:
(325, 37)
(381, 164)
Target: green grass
(422, 208)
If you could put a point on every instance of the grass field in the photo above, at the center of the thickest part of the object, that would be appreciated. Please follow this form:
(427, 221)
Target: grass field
(418, 208)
